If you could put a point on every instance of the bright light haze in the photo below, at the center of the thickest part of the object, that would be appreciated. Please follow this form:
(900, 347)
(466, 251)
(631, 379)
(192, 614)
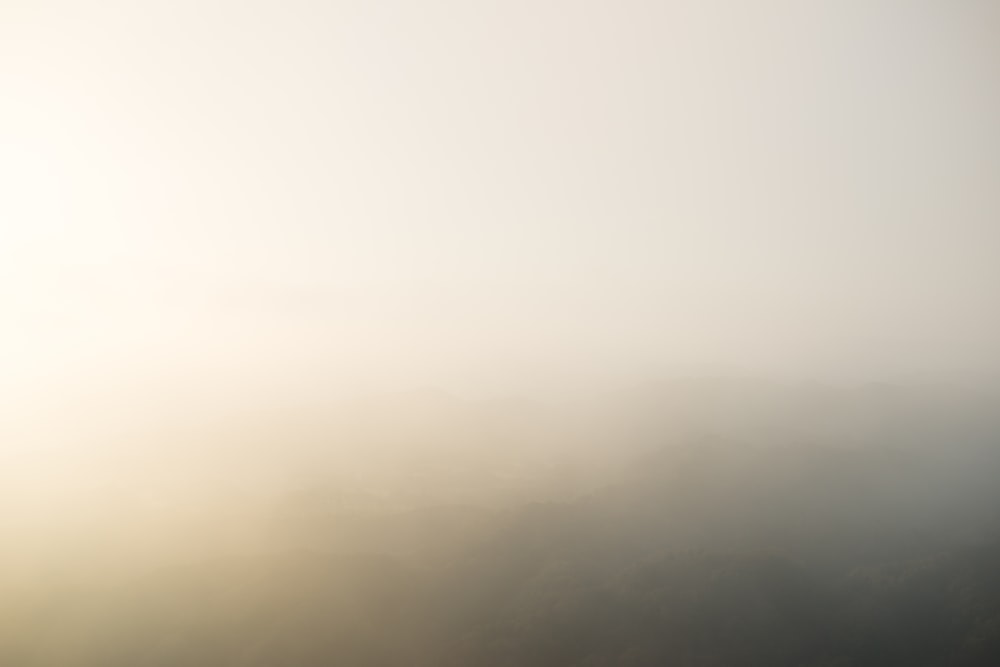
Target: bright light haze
(445, 333)
(354, 195)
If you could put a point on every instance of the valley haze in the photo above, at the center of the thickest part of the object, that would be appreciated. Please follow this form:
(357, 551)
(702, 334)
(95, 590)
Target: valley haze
(557, 333)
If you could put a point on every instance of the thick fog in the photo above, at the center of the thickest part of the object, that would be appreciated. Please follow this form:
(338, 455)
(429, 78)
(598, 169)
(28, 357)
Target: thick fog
(474, 334)
(495, 195)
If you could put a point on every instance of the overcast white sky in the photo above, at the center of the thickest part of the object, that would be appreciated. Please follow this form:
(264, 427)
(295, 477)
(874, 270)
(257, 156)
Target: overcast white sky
(382, 194)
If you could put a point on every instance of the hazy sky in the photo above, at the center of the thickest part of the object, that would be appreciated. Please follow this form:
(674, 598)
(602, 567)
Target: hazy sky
(444, 192)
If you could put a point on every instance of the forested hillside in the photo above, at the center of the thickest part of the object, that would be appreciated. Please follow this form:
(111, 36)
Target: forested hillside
(834, 536)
